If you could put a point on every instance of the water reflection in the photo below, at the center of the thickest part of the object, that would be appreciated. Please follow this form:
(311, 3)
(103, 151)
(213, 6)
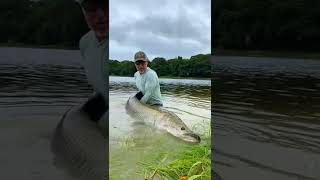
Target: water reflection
(33, 97)
(269, 106)
(41, 85)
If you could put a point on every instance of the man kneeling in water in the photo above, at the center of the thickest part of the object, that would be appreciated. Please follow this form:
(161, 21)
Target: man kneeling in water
(93, 49)
(147, 81)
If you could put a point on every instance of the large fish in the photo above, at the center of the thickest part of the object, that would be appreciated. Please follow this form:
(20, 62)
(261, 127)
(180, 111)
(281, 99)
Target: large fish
(80, 145)
(161, 119)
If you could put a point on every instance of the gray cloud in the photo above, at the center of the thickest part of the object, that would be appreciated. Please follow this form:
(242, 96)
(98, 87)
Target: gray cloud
(160, 28)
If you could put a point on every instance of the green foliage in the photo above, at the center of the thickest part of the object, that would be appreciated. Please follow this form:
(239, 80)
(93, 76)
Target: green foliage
(194, 162)
(266, 25)
(160, 65)
(43, 22)
(197, 66)
(122, 68)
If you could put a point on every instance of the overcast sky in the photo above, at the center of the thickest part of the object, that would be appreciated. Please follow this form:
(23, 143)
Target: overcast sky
(162, 28)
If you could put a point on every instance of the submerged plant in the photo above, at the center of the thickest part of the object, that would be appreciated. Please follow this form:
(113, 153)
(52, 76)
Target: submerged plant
(193, 162)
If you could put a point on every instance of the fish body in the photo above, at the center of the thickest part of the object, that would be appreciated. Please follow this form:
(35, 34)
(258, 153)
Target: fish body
(161, 119)
(79, 144)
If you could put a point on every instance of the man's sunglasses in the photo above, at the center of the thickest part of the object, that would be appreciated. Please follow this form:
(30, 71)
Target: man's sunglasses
(140, 63)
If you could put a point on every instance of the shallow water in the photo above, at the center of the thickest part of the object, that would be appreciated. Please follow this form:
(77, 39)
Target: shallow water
(266, 118)
(265, 115)
(39, 85)
(132, 143)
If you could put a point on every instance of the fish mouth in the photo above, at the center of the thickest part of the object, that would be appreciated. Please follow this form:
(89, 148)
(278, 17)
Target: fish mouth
(191, 138)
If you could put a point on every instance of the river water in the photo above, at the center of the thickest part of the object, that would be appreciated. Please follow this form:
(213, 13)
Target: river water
(266, 118)
(132, 144)
(265, 115)
(39, 85)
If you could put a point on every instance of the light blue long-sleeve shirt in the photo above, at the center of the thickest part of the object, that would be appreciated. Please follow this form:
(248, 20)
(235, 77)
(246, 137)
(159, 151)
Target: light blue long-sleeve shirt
(148, 84)
(94, 60)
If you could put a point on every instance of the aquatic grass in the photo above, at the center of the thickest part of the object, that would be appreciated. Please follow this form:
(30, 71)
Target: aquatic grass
(167, 162)
(193, 162)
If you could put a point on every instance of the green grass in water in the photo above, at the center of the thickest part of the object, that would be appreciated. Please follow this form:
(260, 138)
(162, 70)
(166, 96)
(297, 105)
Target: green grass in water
(193, 162)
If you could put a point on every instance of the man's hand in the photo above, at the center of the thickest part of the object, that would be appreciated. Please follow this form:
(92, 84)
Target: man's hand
(139, 95)
(95, 107)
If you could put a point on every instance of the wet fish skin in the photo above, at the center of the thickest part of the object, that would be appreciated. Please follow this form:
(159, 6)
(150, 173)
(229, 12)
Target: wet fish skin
(161, 119)
(80, 146)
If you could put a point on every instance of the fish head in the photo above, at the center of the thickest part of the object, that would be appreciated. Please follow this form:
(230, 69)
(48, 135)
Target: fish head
(190, 138)
(177, 128)
(186, 135)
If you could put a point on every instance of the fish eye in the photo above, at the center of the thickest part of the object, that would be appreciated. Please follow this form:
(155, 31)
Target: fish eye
(182, 128)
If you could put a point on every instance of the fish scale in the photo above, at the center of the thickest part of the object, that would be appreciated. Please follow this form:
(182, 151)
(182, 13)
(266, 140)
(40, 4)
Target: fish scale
(160, 118)
(79, 146)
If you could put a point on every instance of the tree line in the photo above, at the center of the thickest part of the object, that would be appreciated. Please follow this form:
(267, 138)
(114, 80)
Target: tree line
(266, 24)
(41, 23)
(237, 24)
(197, 66)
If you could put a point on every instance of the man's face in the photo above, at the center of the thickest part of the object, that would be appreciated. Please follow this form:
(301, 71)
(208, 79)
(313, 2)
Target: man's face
(96, 14)
(141, 66)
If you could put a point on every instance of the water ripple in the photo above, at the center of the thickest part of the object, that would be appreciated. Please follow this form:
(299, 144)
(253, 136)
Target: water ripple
(267, 102)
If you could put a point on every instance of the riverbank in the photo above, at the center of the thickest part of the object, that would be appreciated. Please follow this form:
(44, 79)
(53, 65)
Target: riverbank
(172, 77)
(191, 78)
(21, 45)
(266, 53)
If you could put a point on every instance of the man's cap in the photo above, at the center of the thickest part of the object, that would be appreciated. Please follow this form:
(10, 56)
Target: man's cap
(140, 56)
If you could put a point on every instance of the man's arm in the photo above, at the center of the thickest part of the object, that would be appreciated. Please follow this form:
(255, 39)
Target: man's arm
(139, 95)
(95, 107)
(151, 83)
